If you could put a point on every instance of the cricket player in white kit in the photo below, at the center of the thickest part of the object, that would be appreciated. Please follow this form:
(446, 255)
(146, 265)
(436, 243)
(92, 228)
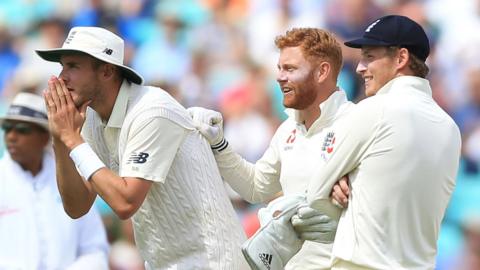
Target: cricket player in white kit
(309, 63)
(139, 151)
(401, 150)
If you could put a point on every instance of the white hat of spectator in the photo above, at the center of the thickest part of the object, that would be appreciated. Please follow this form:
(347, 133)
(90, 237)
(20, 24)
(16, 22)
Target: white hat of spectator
(97, 42)
(27, 107)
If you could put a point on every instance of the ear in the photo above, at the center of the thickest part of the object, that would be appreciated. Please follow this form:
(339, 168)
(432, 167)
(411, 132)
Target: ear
(403, 58)
(322, 72)
(108, 71)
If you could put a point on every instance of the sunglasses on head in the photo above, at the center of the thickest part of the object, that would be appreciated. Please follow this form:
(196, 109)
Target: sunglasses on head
(21, 128)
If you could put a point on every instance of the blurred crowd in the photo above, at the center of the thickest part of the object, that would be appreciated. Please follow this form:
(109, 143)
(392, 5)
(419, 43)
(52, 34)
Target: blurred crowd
(220, 54)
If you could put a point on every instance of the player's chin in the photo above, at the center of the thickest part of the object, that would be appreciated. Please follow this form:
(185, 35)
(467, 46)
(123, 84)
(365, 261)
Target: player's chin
(370, 91)
(78, 101)
(289, 102)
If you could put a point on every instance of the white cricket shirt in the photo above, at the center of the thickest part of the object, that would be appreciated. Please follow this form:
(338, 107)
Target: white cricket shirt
(288, 164)
(35, 231)
(186, 220)
(403, 152)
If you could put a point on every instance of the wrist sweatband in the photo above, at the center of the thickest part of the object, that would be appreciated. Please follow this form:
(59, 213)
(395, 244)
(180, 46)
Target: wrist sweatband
(220, 146)
(86, 160)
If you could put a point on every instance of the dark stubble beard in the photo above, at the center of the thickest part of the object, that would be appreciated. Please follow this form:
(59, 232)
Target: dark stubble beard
(95, 94)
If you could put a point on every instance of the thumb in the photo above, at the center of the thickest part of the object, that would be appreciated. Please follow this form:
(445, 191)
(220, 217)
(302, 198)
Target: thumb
(202, 127)
(305, 211)
(216, 119)
(83, 108)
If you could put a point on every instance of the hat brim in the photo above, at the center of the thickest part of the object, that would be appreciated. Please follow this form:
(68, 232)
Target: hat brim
(54, 55)
(360, 42)
(40, 122)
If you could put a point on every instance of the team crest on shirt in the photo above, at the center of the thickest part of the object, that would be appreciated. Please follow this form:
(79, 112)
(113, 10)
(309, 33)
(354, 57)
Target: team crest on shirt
(328, 145)
(138, 158)
(290, 140)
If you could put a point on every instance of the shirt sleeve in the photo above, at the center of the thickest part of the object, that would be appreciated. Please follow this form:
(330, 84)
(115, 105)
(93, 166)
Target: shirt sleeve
(351, 139)
(151, 148)
(255, 183)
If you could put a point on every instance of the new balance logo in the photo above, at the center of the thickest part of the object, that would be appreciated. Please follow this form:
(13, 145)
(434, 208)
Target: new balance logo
(138, 158)
(266, 259)
(70, 37)
(108, 51)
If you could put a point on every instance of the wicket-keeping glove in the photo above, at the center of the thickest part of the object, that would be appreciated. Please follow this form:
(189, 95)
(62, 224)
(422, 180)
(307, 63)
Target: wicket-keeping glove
(314, 225)
(210, 125)
(275, 242)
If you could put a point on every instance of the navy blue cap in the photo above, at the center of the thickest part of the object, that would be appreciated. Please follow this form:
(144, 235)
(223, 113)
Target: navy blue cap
(395, 30)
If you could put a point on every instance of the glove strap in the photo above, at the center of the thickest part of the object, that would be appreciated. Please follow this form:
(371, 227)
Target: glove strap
(219, 147)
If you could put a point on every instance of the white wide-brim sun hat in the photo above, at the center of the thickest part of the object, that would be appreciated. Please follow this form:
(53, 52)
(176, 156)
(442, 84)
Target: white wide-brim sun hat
(27, 107)
(96, 42)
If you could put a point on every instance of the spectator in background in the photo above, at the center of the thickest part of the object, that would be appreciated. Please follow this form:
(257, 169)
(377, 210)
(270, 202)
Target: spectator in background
(348, 19)
(35, 232)
(222, 42)
(48, 33)
(270, 18)
(220, 66)
(165, 56)
(468, 258)
(9, 58)
(244, 109)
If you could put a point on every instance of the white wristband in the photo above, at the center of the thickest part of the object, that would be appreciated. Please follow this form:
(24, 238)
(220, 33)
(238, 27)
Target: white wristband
(86, 160)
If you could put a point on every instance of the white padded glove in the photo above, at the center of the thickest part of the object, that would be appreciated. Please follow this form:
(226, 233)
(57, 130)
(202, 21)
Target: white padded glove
(275, 242)
(210, 125)
(314, 225)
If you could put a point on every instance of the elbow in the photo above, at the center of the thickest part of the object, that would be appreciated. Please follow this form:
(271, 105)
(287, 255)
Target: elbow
(125, 212)
(76, 208)
(124, 215)
(75, 213)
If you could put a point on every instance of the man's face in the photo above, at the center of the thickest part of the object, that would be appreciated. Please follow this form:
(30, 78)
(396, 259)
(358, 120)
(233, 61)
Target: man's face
(296, 79)
(80, 77)
(376, 67)
(24, 140)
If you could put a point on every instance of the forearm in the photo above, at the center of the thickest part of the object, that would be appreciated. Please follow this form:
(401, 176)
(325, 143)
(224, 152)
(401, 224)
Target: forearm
(348, 153)
(253, 182)
(77, 194)
(123, 194)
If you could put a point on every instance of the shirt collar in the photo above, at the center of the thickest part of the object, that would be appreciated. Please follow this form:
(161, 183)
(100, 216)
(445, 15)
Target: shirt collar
(328, 108)
(406, 82)
(120, 108)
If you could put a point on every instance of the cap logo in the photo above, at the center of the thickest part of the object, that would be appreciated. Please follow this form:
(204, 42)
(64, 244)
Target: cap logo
(70, 37)
(108, 51)
(372, 25)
